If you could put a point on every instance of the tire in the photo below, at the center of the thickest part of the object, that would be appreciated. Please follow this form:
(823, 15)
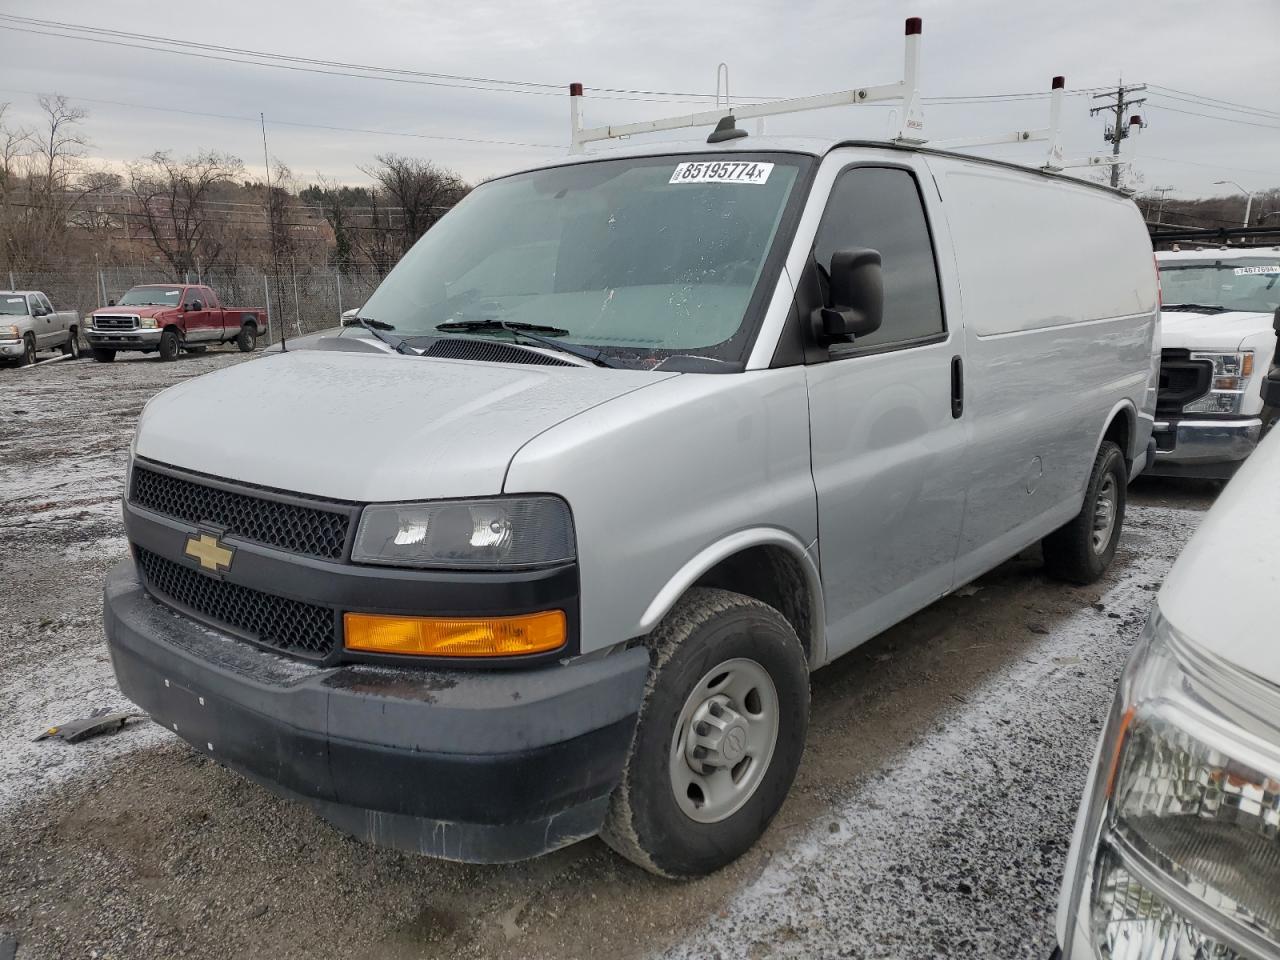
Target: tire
(1081, 551)
(72, 347)
(169, 345)
(247, 339)
(28, 351)
(709, 633)
(102, 354)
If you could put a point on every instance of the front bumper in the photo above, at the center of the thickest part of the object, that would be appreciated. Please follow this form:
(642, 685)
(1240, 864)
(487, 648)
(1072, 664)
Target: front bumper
(1212, 449)
(11, 348)
(479, 766)
(123, 339)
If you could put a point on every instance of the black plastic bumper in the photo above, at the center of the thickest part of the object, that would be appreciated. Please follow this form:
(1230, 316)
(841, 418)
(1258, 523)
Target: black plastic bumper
(478, 766)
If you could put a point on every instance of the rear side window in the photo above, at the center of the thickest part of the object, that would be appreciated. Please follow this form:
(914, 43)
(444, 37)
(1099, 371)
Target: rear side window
(880, 208)
(44, 302)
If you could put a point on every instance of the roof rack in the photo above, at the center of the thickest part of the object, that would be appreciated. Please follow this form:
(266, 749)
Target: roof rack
(910, 125)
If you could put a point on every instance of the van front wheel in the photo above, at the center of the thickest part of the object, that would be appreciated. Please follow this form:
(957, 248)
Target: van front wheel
(719, 737)
(1081, 551)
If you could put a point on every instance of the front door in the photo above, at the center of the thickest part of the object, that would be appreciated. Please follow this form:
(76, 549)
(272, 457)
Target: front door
(198, 322)
(886, 441)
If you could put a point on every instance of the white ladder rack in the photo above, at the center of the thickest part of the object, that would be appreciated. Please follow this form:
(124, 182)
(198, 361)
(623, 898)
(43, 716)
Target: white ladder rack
(910, 127)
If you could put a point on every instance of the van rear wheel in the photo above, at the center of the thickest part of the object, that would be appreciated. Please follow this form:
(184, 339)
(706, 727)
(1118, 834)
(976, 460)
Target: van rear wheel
(719, 737)
(1081, 551)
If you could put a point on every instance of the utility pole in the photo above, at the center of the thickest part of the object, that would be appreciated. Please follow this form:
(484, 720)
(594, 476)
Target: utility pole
(1118, 130)
(1160, 210)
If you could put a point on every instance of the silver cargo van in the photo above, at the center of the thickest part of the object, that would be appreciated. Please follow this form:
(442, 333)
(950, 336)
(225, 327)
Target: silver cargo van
(626, 447)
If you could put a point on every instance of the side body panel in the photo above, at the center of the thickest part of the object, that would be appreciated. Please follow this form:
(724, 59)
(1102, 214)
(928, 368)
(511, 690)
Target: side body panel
(886, 447)
(658, 478)
(1061, 314)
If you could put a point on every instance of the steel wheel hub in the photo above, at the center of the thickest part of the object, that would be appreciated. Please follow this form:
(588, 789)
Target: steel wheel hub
(723, 740)
(1104, 513)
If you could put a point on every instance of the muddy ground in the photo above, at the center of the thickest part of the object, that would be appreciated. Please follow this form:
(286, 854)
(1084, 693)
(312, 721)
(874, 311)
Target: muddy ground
(931, 816)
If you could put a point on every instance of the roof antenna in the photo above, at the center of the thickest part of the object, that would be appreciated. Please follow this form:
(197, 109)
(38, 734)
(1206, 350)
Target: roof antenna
(726, 129)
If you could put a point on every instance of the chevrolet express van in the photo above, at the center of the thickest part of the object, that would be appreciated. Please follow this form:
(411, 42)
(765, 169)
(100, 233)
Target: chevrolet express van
(1175, 847)
(624, 448)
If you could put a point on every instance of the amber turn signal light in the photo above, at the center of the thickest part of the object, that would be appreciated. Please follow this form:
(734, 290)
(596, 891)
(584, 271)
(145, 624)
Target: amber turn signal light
(456, 637)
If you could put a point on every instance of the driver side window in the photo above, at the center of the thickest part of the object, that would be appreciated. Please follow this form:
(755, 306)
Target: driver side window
(881, 208)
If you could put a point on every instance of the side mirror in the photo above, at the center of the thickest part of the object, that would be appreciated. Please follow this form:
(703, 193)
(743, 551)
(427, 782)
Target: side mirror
(1275, 323)
(196, 305)
(111, 303)
(349, 317)
(857, 297)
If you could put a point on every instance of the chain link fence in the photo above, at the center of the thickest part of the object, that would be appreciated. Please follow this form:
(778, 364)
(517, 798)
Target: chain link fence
(303, 300)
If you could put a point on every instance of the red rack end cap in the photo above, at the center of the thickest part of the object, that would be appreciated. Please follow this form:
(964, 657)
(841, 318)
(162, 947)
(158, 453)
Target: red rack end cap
(575, 89)
(915, 26)
(1059, 83)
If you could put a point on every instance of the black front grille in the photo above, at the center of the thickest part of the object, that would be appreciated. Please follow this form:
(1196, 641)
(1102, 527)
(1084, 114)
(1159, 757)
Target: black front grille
(301, 629)
(1182, 380)
(115, 323)
(313, 531)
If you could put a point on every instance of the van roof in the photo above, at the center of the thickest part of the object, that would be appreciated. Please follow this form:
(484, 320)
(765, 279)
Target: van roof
(809, 146)
(1218, 253)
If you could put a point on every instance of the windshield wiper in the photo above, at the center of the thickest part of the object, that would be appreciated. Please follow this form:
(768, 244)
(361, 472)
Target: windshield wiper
(397, 344)
(531, 331)
(494, 324)
(1201, 307)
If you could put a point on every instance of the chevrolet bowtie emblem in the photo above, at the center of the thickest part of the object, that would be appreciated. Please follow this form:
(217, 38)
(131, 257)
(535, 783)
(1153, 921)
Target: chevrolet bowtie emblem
(211, 554)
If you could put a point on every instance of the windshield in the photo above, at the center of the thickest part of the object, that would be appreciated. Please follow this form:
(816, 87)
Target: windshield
(13, 306)
(155, 296)
(1251, 284)
(639, 258)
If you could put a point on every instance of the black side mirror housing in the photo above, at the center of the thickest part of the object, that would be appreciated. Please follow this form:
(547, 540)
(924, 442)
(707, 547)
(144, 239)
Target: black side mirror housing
(111, 303)
(856, 297)
(195, 305)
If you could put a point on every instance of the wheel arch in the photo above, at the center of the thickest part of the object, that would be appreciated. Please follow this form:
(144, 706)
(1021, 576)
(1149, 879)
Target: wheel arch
(768, 564)
(1121, 427)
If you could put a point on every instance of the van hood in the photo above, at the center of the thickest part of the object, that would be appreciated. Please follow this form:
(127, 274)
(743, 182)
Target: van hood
(1210, 331)
(369, 427)
(1221, 593)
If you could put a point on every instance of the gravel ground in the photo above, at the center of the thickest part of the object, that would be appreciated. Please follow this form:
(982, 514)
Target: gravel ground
(931, 816)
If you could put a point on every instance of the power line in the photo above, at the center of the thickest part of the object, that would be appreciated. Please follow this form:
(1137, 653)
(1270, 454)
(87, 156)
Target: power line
(1210, 116)
(299, 123)
(1214, 100)
(1210, 166)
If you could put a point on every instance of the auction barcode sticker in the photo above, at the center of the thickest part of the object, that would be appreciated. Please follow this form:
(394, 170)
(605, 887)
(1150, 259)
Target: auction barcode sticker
(721, 171)
(1264, 270)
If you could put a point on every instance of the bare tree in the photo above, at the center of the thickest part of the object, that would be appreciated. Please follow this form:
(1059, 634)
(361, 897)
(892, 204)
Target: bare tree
(416, 192)
(41, 171)
(174, 199)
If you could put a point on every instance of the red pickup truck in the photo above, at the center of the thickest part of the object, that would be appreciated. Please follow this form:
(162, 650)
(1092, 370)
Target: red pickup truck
(169, 318)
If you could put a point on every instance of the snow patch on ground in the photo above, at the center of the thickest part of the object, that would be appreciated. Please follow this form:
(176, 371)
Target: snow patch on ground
(65, 688)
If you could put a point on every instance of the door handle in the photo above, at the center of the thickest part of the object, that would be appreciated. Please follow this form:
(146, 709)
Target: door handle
(957, 388)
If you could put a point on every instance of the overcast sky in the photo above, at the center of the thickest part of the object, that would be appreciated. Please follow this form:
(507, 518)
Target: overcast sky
(1226, 51)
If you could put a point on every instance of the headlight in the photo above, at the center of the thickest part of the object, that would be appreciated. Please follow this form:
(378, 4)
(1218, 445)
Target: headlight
(146, 323)
(10, 332)
(1186, 818)
(497, 533)
(1231, 371)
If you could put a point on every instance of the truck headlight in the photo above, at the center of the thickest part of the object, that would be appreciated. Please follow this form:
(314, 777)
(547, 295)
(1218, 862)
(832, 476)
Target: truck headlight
(10, 333)
(1231, 371)
(1187, 811)
(146, 323)
(496, 533)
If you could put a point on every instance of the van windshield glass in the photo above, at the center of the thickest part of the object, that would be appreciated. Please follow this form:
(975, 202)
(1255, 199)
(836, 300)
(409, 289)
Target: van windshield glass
(639, 258)
(159, 296)
(1251, 284)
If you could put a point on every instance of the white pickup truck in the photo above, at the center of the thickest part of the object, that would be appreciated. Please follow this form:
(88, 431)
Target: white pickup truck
(29, 324)
(1218, 342)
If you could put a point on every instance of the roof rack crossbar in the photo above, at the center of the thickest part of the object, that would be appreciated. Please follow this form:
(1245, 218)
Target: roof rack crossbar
(910, 124)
